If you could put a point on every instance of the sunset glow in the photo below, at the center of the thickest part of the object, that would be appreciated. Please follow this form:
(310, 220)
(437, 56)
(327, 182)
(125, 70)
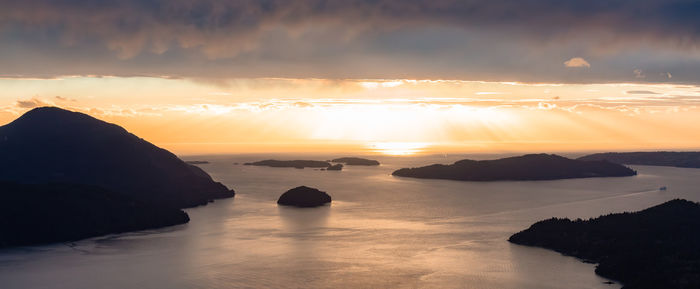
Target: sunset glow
(264, 115)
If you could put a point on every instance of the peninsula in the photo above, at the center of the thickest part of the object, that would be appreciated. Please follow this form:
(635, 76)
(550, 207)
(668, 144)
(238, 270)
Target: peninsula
(653, 248)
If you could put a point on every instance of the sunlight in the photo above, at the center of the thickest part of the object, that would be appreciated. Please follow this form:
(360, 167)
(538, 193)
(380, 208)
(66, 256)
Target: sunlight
(398, 148)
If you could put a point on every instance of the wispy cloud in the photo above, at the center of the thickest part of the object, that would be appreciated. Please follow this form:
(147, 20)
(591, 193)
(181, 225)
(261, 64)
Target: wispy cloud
(640, 92)
(32, 103)
(577, 62)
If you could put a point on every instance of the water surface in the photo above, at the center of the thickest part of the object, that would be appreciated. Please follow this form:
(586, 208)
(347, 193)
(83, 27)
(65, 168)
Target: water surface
(380, 232)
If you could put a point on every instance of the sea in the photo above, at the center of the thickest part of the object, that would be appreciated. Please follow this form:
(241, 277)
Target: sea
(380, 231)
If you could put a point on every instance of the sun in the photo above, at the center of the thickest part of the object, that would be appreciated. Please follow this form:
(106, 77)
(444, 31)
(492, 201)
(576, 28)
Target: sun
(398, 148)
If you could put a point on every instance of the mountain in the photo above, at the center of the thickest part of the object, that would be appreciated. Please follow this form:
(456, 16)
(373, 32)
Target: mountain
(52, 145)
(352, 161)
(528, 167)
(669, 159)
(655, 248)
(32, 214)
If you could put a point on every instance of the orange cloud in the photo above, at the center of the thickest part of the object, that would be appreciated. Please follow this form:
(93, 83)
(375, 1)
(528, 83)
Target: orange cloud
(577, 62)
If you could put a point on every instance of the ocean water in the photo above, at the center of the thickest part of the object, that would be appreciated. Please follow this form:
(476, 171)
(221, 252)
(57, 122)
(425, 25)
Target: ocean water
(380, 232)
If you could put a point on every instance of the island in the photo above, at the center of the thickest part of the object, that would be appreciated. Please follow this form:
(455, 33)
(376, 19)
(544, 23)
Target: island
(70, 176)
(353, 161)
(53, 145)
(197, 162)
(658, 247)
(33, 214)
(299, 164)
(669, 159)
(530, 167)
(304, 197)
(335, 167)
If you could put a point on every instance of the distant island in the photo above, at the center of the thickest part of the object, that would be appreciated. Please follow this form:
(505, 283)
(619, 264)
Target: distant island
(197, 162)
(49, 213)
(84, 174)
(325, 165)
(304, 197)
(530, 167)
(353, 161)
(655, 248)
(299, 164)
(669, 159)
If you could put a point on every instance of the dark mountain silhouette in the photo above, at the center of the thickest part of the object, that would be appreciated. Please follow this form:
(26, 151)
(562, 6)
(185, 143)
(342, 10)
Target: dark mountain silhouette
(300, 164)
(50, 144)
(528, 167)
(655, 248)
(48, 213)
(352, 161)
(669, 159)
(304, 196)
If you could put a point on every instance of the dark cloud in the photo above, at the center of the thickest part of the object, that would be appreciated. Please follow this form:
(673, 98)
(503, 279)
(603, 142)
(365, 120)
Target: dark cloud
(467, 39)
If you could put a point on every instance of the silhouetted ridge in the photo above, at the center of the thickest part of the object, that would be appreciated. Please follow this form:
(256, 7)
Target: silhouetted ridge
(527, 167)
(304, 196)
(669, 159)
(50, 144)
(655, 248)
(48, 213)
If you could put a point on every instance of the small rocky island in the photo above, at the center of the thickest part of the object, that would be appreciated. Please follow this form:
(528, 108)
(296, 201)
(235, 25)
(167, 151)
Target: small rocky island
(305, 197)
(669, 159)
(197, 162)
(299, 164)
(530, 167)
(353, 161)
(655, 248)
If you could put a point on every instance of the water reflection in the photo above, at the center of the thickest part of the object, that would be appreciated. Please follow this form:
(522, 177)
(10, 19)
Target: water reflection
(303, 219)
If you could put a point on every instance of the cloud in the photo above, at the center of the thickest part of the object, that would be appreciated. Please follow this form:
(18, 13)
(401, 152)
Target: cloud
(638, 73)
(577, 62)
(61, 98)
(32, 103)
(418, 39)
(640, 92)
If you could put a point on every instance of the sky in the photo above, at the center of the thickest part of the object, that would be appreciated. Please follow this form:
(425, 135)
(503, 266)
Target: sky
(387, 76)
